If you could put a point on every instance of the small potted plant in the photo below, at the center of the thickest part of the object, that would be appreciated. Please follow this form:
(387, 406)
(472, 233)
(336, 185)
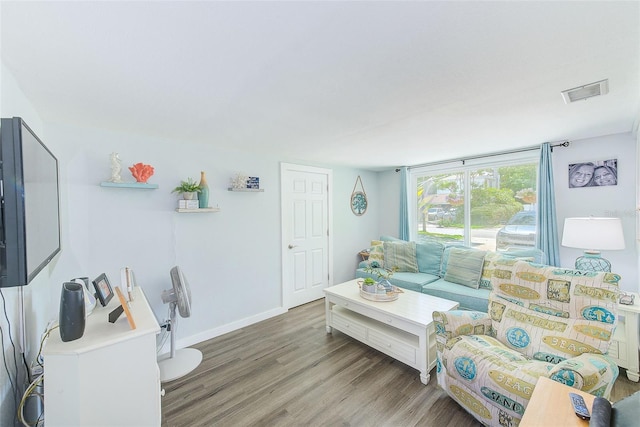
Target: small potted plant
(188, 189)
(369, 285)
(383, 274)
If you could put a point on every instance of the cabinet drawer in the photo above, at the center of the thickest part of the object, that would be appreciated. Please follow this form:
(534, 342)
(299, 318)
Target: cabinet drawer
(397, 349)
(340, 319)
(614, 350)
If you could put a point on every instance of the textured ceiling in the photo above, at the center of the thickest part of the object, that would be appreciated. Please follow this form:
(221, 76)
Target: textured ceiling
(365, 84)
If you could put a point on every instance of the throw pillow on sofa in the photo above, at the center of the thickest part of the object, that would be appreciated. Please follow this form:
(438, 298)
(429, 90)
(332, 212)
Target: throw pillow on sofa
(376, 254)
(429, 255)
(400, 256)
(464, 267)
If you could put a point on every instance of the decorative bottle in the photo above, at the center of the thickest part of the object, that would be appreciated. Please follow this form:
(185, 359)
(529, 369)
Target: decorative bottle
(203, 195)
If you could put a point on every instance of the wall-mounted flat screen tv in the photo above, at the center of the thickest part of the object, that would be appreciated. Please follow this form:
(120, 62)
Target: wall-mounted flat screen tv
(30, 229)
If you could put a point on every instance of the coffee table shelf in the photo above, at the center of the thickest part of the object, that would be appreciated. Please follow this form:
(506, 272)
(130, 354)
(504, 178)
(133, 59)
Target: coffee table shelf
(402, 329)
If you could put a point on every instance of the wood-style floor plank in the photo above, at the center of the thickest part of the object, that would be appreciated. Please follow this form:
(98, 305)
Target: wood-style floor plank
(287, 371)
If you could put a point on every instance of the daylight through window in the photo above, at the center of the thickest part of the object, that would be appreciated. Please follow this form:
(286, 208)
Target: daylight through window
(487, 206)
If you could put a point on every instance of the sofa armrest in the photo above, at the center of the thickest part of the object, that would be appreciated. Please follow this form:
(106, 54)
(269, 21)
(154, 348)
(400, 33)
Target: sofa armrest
(593, 373)
(450, 324)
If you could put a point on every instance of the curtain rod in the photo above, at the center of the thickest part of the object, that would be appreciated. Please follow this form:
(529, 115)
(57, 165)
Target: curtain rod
(464, 159)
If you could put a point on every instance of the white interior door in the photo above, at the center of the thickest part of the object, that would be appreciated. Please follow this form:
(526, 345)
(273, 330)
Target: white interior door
(306, 237)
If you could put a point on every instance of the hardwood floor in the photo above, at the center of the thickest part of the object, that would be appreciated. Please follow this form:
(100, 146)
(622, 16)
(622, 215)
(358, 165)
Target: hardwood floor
(287, 371)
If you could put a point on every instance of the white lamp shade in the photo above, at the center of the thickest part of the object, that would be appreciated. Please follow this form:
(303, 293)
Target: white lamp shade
(593, 233)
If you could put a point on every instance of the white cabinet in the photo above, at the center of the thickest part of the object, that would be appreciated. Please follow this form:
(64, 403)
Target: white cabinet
(109, 376)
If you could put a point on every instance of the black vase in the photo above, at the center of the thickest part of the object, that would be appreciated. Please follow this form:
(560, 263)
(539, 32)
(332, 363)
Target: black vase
(72, 316)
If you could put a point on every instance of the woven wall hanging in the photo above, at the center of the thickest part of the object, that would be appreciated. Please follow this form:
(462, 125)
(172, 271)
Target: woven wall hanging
(359, 201)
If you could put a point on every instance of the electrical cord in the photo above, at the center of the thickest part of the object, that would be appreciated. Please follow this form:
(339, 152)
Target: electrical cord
(45, 335)
(34, 384)
(165, 334)
(14, 382)
(6, 367)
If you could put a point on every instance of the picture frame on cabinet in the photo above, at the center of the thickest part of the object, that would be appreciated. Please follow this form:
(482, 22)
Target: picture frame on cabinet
(125, 307)
(104, 291)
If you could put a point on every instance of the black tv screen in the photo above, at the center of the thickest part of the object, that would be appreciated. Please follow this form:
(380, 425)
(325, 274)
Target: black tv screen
(30, 233)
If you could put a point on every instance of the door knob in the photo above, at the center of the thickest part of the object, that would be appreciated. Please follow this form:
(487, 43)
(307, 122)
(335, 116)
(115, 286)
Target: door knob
(292, 246)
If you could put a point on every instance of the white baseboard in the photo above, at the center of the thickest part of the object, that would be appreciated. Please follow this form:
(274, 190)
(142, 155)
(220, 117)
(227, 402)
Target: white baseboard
(221, 330)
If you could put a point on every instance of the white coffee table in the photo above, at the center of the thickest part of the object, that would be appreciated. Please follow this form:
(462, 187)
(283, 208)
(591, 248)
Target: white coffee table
(402, 329)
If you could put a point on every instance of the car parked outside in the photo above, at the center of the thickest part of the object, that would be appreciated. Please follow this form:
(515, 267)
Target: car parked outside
(435, 214)
(519, 232)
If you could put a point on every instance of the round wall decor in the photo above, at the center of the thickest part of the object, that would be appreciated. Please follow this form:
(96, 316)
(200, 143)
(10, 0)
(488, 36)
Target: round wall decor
(359, 201)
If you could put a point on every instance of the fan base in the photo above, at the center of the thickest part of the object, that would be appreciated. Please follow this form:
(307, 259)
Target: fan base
(184, 361)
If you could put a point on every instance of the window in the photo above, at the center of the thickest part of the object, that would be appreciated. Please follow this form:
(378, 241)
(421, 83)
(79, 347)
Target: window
(489, 205)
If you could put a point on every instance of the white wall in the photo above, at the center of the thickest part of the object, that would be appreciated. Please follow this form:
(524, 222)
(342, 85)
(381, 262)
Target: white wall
(390, 212)
(231, 259)
(611, 201)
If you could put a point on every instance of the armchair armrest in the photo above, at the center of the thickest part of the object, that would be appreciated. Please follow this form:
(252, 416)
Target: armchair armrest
(450, 324)
(593, 373)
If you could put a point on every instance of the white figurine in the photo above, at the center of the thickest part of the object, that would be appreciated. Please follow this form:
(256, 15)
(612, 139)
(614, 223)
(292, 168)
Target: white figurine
(116, 168)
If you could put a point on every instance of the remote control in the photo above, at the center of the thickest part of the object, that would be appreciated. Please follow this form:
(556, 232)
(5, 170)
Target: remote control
(579, 407)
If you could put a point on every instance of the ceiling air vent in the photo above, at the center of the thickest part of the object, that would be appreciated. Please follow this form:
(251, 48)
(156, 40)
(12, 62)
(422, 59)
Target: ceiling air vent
(585, 92)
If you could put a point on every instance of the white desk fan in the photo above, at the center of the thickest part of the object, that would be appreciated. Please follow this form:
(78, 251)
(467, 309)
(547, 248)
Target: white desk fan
(179, 363)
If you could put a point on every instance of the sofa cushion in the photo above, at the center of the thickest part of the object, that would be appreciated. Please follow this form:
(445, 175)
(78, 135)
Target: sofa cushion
(411, 281)
(464, 267)
(429, 255)
(385, 238)
(400, 256)
(469, 298)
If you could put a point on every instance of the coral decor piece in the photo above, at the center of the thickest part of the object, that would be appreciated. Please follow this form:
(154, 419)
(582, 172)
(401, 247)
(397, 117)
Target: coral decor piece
(239, 181)
(141, 172)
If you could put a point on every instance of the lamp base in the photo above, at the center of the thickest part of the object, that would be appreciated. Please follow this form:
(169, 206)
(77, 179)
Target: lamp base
(592, 261)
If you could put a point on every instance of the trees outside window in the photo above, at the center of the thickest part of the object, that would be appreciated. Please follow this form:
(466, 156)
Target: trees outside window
(472, 205)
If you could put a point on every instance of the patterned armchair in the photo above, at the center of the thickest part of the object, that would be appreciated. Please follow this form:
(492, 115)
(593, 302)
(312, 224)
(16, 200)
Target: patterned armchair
(542, 321)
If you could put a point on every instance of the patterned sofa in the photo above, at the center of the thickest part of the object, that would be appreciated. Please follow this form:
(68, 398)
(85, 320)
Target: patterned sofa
(542, 321)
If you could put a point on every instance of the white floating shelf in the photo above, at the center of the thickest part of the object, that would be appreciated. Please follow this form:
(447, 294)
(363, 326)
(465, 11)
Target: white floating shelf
(247, 190)
(199, 210)
(128, 185)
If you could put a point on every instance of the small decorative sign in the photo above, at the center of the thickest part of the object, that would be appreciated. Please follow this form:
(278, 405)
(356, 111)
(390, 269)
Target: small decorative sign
(253, 182)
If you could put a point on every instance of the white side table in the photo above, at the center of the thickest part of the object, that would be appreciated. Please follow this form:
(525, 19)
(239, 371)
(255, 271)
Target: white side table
(624, 345)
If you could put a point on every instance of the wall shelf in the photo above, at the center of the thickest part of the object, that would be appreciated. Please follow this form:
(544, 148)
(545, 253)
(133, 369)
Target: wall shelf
(199, 210)
(140, 185)
(247, 190)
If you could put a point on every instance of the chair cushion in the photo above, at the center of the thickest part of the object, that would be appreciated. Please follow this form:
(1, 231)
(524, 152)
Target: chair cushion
(492, 372)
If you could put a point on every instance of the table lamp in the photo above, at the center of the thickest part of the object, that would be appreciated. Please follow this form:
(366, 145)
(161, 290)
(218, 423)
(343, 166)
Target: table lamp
(593, 235)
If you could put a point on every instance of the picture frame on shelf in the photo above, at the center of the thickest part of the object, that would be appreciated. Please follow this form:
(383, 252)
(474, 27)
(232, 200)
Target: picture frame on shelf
(104, 291)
